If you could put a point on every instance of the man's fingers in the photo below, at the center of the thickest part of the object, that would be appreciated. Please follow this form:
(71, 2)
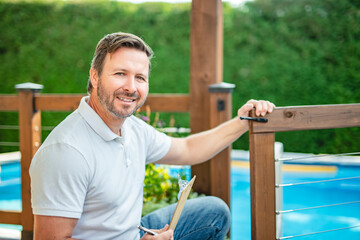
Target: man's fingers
(166, 235)
(262, 107)
(244, 110)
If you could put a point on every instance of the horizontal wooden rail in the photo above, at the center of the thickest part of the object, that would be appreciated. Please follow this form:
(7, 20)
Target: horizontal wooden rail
(69, 102)
(57, 102)
(9, 102)
(10, 217)
(157, 102)
(310, 118)
(169, 102)
(262, 162)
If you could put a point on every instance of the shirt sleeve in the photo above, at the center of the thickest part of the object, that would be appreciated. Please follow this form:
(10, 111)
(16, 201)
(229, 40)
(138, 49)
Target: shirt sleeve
(158, 144)
(59, 180)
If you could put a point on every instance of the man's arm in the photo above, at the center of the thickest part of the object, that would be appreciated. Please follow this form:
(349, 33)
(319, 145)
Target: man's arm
(200, 147)
(49, 227)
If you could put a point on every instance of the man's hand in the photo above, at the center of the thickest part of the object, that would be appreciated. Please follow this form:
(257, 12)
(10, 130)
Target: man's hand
(164, 234)
(261, 108)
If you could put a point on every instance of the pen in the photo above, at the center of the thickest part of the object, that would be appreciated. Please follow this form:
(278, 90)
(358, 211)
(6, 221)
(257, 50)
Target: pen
(147, 230)
(254, 119)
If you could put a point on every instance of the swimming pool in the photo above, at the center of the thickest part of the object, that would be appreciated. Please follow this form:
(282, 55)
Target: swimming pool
(294, 197)
(304, 196)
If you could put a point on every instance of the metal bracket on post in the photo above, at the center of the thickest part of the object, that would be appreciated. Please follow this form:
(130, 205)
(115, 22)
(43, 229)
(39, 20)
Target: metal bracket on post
(220, 105)
(221, 88)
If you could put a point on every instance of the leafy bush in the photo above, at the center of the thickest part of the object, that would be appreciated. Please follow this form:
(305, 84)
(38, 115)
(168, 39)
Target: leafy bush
(160, 189)
(303, 52)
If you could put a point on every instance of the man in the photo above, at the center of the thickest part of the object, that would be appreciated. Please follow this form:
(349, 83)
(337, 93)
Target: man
(87, 177)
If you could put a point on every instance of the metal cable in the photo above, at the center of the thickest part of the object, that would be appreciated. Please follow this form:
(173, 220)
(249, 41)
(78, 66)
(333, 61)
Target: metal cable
(16, 127)
(14, 144)
(320, 181)
(316, 156)
(9, 127)
(306, 234)
(47, 128)
(316, 207)
(279, 188)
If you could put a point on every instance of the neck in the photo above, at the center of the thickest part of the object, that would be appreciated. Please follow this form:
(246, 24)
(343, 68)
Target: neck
(113, 122)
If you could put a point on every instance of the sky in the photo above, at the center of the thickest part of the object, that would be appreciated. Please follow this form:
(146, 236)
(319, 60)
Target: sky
(233, 2)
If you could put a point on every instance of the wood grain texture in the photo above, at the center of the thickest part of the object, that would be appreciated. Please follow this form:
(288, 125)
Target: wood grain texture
(310, 118)
(10, 217)
(206, 61)
(220, 165)
(9, 103)
(30, 137)
(262, 186)
(181, 203)
(157, 102)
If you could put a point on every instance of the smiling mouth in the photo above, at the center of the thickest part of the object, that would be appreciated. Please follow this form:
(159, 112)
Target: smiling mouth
(126, 99)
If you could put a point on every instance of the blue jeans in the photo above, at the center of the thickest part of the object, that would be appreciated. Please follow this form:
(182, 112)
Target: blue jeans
(202, 218)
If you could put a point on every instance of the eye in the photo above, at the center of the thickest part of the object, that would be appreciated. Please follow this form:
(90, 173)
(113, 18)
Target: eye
(141, 78)
(120, 73)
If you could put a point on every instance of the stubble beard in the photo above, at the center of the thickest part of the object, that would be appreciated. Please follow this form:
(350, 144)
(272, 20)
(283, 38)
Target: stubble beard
(108, 102)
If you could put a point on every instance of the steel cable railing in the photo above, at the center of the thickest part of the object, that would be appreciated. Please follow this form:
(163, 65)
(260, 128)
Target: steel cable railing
(279, 186)
(316, 207)
(316, 156)
(320, 181)
(16, 127)
(319, 232)
(8, 143)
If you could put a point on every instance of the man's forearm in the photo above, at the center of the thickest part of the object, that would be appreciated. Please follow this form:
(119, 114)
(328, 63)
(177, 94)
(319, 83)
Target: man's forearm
(205, 145)
(200, 147)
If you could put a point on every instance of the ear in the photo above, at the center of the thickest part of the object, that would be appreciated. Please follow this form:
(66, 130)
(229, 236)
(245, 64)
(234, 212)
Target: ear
(94, 77)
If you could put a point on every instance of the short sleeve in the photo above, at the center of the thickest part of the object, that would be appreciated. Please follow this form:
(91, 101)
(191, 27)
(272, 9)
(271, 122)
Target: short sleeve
(59, 180)
(158, 144)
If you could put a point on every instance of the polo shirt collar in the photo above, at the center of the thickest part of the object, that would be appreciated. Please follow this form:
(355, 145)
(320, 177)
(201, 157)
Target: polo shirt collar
(95, 121)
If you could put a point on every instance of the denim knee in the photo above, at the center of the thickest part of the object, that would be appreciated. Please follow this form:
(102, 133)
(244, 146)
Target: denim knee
(222, 210)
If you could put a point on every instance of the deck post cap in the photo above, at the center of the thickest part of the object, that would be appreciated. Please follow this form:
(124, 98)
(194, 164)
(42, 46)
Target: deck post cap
(222, 87)
(29, 87)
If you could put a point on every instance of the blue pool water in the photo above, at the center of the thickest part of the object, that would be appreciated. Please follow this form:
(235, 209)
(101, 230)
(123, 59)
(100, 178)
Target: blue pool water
(294, 197)
(304, 196)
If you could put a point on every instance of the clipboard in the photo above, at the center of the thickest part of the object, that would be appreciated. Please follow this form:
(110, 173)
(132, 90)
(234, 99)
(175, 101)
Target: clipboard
(181, 203)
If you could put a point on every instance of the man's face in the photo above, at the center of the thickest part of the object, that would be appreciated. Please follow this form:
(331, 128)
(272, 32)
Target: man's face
(123, 85)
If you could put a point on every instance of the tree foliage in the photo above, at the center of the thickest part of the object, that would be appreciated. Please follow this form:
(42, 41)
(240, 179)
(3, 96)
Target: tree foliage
(303, 52)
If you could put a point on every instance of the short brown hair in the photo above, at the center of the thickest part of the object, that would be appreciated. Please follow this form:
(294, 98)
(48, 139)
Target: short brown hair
(110, 43)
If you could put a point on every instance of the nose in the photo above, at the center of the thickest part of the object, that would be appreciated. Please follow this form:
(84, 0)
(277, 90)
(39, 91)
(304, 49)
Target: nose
(130, 84)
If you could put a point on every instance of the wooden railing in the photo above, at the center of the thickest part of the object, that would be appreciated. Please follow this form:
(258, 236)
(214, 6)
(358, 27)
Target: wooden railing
(262, 162)
(29, 103)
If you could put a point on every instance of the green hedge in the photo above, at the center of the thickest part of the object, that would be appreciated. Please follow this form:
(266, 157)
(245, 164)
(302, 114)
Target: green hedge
(302, 52)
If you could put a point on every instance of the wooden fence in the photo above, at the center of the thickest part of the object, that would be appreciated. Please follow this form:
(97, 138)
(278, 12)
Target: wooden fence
(29, 103)
(262, 162)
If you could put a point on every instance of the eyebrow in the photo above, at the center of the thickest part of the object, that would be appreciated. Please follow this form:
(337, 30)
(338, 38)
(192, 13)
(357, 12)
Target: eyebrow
(125, 70)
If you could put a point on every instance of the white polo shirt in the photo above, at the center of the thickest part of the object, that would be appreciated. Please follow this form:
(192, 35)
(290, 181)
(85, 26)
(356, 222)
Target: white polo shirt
(83, 170)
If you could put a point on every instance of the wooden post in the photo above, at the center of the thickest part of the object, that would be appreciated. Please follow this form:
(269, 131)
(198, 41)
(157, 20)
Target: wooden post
(262, 185)
(220, 111)
(206, 68)
(30, 139)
